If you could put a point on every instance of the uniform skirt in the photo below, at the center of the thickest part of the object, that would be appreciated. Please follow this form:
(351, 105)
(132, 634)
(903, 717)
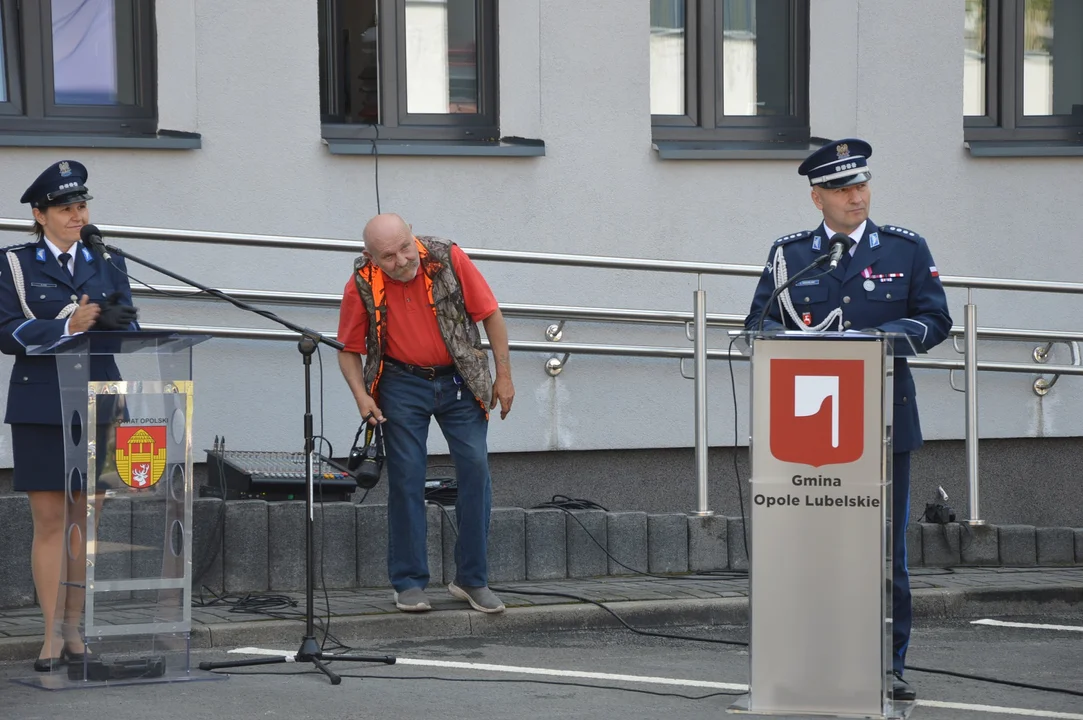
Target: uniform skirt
(38, 452)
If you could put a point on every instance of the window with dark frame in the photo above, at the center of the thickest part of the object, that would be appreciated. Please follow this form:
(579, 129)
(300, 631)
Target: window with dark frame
(730, 70)
(408, 69)
(1023, 71)
(78, 67)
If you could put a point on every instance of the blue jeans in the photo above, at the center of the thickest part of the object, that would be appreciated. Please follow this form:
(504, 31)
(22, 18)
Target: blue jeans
(902, 610)
(409, 403)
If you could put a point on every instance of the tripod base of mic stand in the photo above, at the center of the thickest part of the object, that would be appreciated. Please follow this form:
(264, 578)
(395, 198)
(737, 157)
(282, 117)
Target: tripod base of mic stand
(309, 652)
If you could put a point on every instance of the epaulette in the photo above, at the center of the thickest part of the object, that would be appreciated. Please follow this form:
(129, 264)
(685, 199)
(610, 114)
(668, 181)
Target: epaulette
(901, 232)
(20, 246)
(790, 238)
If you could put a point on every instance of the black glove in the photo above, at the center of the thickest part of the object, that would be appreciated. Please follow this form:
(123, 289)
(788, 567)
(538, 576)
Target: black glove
(114, 315)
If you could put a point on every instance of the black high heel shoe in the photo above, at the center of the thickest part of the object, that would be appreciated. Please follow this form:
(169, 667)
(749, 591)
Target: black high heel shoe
(43, 665)
(67, 656)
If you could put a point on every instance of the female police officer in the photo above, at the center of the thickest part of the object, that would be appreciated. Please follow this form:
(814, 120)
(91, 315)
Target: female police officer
(49, 289)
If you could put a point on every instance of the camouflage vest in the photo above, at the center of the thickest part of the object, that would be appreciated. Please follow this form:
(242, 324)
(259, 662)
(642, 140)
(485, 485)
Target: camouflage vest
(459, 332)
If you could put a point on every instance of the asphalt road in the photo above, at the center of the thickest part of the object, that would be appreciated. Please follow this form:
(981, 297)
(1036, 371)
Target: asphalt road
(422, 685)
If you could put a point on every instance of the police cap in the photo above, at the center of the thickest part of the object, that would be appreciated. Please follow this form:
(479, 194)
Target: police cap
(61, 183)
(838, 164)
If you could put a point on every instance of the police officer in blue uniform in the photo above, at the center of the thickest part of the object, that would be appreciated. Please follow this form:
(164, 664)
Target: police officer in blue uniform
(887, 282)
(49, 289)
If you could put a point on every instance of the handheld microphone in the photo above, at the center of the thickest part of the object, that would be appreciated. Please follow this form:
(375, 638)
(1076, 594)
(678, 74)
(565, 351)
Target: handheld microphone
(839, 244)
(92, 237)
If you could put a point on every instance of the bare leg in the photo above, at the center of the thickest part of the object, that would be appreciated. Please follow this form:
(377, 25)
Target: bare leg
(47, 510)
(75, 595)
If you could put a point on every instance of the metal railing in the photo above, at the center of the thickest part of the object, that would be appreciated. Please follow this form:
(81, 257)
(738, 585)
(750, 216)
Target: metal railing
(696, 323)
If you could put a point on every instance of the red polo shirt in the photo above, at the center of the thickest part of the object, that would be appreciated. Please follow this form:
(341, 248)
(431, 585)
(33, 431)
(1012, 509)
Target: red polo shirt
(412, 333)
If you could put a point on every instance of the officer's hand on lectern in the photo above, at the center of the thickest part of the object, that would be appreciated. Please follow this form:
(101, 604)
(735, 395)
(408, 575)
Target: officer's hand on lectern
(84, 316)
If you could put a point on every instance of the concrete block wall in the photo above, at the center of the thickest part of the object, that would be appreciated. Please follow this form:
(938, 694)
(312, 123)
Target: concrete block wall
(256, 546)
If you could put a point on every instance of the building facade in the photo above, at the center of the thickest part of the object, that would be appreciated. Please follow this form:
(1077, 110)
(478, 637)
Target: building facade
(664, 129)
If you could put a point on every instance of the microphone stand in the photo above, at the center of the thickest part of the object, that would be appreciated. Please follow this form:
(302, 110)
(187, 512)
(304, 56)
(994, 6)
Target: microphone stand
(779, 290)
(310, 650)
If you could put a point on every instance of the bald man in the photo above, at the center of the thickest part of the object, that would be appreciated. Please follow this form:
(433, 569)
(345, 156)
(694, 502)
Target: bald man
(423, 359)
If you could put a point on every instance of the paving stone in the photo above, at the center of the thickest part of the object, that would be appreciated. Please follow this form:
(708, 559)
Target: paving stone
(448, 534)
(980, 545)
(914, 550)
(735, 542)
(507, 545)
(940, 544)
(372, 545)
(334, 535)
(114, 532)
(286, 545)
(626, 535)
(586, 557)
(1018, 545)
(708, 546)
(245, 561)
(434, 539)
(1056, 546)
(150, 553)
(208, 532)
(16, 578)
(667, 541)
(546, 545)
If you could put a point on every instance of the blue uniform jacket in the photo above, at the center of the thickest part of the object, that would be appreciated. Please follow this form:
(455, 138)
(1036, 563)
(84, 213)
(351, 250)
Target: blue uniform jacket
(911, 302)
(34, 390)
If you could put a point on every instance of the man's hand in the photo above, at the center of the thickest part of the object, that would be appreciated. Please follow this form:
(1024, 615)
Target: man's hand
(84, 316)
(369, 410)
(504, 392)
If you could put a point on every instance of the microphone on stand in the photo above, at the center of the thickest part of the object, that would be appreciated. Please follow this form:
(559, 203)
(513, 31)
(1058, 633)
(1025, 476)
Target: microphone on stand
(92, 237)
(839, 244)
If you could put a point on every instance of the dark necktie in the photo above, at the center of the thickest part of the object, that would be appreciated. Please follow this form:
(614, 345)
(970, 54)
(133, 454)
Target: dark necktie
(63, 258)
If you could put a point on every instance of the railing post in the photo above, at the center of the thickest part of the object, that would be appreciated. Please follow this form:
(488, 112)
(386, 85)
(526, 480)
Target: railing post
(699, 362)
(970, 364)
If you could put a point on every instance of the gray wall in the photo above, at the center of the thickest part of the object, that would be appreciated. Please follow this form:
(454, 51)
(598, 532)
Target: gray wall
(244, 74)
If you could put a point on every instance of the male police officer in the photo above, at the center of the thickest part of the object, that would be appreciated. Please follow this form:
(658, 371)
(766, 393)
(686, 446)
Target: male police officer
(887, 282)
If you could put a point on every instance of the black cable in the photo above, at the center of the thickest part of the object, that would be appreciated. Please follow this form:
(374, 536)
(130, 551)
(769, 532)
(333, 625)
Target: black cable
(151, 287)
(618, 618)
(563, 502)
(376, 167)
(576, 504)
(736, 468)
(996, 681)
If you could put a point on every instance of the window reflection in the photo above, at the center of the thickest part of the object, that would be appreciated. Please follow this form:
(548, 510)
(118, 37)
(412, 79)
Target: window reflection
(441, 56)
(90, 67)
(974, 58)
(1053, 66)
(756, 73)
(668, 57)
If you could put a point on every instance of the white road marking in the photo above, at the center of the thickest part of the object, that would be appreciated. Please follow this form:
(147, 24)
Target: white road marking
(648, 679)
(1024, 712)
(290, 656)
(1032, 626)
(653, 680)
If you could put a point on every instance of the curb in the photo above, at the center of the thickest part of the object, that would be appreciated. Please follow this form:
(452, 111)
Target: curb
(929, 603)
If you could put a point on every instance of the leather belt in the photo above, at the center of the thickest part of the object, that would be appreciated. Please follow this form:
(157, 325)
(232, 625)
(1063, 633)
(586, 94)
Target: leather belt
(422, 371)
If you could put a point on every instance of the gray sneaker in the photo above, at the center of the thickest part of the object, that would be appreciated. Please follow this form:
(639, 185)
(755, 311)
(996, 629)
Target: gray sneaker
(480, 598)
(412, 600)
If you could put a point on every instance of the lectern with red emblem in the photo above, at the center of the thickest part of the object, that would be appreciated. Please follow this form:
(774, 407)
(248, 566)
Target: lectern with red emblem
(126, 575)
(820, 531)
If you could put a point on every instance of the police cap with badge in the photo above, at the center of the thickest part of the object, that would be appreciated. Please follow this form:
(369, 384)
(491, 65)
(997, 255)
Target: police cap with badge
(838, 164)
(62, 183)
